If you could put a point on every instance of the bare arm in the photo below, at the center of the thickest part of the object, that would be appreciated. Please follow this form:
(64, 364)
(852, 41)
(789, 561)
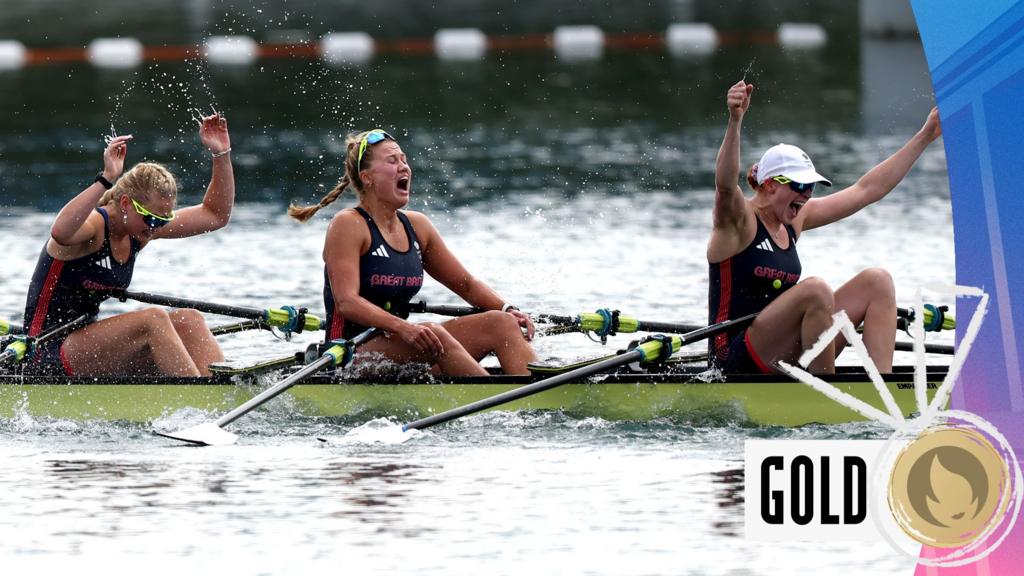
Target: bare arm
(215, 210)
(441, 264)
(874, 185)
(72, 227)
(730, 211)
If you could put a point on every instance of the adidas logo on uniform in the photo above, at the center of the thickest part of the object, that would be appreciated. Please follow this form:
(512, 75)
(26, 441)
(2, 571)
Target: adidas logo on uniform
(766, 245)
(105, 263)
(380, 251)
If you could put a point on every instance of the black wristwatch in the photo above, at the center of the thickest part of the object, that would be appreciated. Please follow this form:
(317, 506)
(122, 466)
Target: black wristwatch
(106, 183)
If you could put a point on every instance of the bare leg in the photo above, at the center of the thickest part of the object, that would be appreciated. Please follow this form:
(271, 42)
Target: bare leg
(135, 342)
(497, 332)
(455, 361)
(197, 338)
(792, 323)
(870, 297)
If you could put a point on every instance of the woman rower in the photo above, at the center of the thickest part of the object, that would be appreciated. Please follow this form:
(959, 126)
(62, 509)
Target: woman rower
(375, 255)
(92, 249)
(754, 265)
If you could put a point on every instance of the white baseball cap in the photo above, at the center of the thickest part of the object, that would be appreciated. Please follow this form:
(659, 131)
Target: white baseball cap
(791, 162)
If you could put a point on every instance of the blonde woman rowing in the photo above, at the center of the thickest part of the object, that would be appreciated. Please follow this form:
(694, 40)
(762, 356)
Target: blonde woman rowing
(92, 248)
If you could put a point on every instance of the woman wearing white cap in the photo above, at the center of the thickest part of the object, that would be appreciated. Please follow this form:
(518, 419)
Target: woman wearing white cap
(753, 260)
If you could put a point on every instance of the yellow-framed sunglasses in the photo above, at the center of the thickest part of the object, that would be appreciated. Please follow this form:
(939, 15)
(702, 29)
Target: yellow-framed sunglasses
(154, 221)
(797, 187)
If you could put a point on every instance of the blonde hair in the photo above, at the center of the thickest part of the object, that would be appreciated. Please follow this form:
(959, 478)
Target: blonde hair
(143, 180)
(350, 178)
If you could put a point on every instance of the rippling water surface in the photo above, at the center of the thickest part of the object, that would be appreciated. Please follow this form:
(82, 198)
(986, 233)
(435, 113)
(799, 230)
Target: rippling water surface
(567, 188)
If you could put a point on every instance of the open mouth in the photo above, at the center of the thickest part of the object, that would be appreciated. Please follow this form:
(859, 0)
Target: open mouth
(403, 184)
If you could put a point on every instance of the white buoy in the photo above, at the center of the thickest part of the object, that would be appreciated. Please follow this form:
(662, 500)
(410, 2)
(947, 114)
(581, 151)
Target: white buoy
(691, 39)
(115, 52)
(578, 42)
(12, 54)
(801, 36)
(460, 44)
(347, 48)
(231, 50)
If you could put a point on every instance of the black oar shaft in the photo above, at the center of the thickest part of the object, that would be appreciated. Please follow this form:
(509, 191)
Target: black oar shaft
(928, 348)
(209, 307)
(290, 381)
(523, 391)
(273, 391)
(634, 355)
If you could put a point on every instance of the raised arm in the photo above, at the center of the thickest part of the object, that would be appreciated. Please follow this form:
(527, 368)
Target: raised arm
(442, 265)
(874, 185)
(71, 227)
(215, 210)
(729, 212)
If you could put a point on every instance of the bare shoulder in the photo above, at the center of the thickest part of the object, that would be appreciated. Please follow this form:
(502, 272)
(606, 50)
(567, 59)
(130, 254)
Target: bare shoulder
(730, 237)
(348, 227)
(91, 234)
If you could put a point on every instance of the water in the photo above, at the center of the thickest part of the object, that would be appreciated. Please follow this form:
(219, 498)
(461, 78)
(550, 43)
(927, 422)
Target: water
(567, 188)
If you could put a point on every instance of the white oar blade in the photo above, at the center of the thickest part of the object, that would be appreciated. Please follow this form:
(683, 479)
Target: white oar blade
(208, 434)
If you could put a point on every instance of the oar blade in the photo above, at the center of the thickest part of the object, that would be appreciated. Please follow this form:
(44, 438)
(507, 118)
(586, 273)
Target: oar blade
(207, 434)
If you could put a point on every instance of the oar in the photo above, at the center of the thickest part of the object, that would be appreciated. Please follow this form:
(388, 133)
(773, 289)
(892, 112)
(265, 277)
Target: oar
(23, 345)
(213, 433)
(603, 322)
(650, 350)
(286, 318)
(936, 318)
(239, 327)
(929, 348)
(7, 327)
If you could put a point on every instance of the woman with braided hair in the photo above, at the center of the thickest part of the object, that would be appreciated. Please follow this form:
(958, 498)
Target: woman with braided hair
(375, 255)
(91, 251)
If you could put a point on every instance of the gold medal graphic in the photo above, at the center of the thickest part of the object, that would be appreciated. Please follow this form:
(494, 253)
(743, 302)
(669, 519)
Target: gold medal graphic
(949, 487)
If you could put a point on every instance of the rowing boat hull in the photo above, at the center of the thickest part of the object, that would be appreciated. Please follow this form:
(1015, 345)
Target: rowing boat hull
(758, 400)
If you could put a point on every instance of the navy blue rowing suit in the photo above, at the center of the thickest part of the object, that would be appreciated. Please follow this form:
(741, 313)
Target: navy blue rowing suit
(63, 290)
(743, 284)
(388, 278)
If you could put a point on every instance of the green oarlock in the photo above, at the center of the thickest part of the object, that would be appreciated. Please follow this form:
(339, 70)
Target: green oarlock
(948, 321)
(628, 324)
(280, 318)
(652, 348)
(591, 322)
(18, 348)
(313, 323)
(337, 353)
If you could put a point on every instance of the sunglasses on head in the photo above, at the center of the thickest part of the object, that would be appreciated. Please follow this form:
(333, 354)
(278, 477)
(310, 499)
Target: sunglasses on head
(794, 186)
(371, 137)
(154, 221)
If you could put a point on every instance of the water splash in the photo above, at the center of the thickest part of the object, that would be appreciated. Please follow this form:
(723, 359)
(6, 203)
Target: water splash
(377, 431)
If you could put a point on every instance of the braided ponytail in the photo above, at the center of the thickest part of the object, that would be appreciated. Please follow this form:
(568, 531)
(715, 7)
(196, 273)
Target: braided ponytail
(304, 213)
(350, 178)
